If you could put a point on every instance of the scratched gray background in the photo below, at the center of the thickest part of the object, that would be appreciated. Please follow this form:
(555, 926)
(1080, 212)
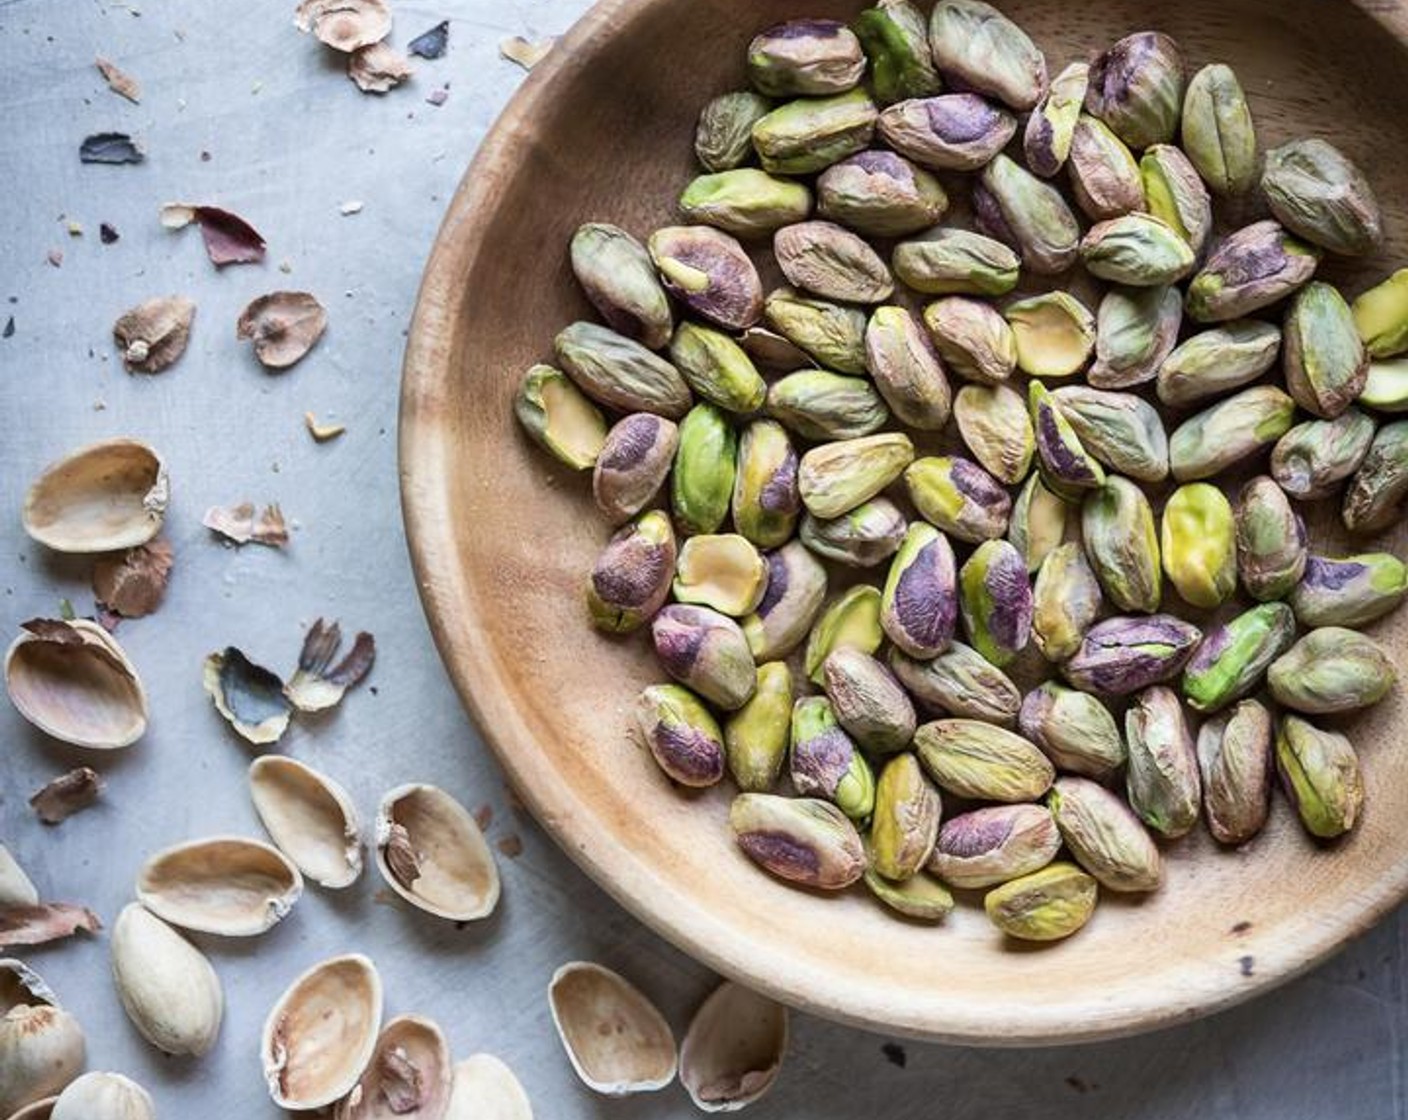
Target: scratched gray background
(289, 140)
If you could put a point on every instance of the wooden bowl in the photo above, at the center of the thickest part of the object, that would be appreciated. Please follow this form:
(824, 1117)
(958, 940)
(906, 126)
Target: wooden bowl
(502, 540)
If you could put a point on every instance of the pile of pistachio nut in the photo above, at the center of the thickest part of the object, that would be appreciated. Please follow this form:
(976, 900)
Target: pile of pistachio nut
(800, 516)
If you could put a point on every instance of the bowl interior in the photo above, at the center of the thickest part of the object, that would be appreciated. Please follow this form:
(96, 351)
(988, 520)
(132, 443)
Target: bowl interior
(503, 538)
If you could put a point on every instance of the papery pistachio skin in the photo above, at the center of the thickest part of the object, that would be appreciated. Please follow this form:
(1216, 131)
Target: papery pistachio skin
(1122, 655)
(1175, 195)
(701, 484)
(819, 405)
(1051, 126)
(1066, 466)
(1386, 386)
(1135, 330)
(956, 262)
(1104, 173)
(717, 368)
(723, 571)
(834, 478)
(1320, 775)
(1054, 334)
(895, 39)
(825, 761)
(631, 578)
(809, 135)
(634, 463)
(617, 275)
(1218, 134)
(1027, 213)
(1198, 542)
(983, 762)
(1136, 250)
(1162, 782)
(765, 498)
(1117, 525)
(1233, 656)
(1374, 497)
(972, 338)
(1352, 591)
(745, 202)
(867, 535)
(1136, 87)
(959, 497)
(1038, 522)
(921, 896)
(803, 840)
(620, 373)
(1122, 431)
(951, 132)
(1214, 361)
(906, 369)
(1324, 361)
(705, 651)
(983, 50)
(723, 138)
(1317, 193)
(868, 701)
(880, 194)
(995, 599)
(805, 58)
(993, 421)
(1229, 431)
(985, 847)
(756, 736)
(559, 418)
(1066, 601)
(961, 682)
(832, 262)
(1104, 836)
(1234, 758)
(1381, 316)
(1271, 540)
(1331, 669)
(682, 736)
(1047, 905)
(906, 820)
(793, 599)
(1312, 459)
(851, 622)
(1073, 729)
(1250, 269)
(710, 273)
(919, 606)
(831, 334)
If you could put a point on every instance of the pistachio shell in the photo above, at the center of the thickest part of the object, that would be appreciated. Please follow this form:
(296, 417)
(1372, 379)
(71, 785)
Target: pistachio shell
(103, 1096)
(733, 1050)
(615, 1038)
(1054, 333)
(103, 497)
(310, 818)
(168, 987)
(409, 1074)
(16, 888)
(227, 885)
(41, 1047)
(484, 1088)
(430, 851)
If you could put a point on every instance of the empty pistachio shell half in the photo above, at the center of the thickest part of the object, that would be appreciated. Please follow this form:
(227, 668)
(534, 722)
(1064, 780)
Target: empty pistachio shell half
(1381, 316)
(16, 888)
(630, 580)
(167, 986)
(101, 1095)
(559, 417)
(951, 132)
(42, 1048)
(733, 1050)
(681, 734)
(988, 846)
(617, 275)
(745, 202)
(710, 273)
(1054, 334)
(310, 818)
(226, 885)
(1104, 836)
(1046, 905)
(983, 50)
(1320, 775)
(321, 1033)
(619, 372)
(1051, 127)
(409, 1074)
(723, 571)
(805, 58)
(956, 261)
(801, 839)
(851, 621)
(986, 763)
(961, 682)
(100, 498)
(795, 593)
(706, 651)
(831, 261)
(484, 1088)
(1038, 522)
(1234, 757)
(615, 1038)
(153, 335)
(810, 134)
(430, 852)
(633, 464)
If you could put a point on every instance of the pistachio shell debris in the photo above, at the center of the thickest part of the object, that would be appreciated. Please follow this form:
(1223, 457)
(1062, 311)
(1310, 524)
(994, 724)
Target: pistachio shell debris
(42, 1048)
(431, 852)
(283, 326)
(733, 1050)
(345, 25)
(100, 498)
(410, 1074)
(249, 696)
(484, 1088)
(228, 885)
(153, 335)
(616, 1039)
(310, 818)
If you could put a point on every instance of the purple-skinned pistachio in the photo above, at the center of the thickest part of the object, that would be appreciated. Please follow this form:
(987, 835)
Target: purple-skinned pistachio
(705, 651)
(959, 497)
(1073, 729)
(805, 58)
(868, 701)
(868, 535)
(951, 132)
(1051, 126)
(1233, 656)
(801, 839)
(681, 734)
(1162, 781)
(1121, 430)
(1104, 173)
(995, 599)
(880, 194)
(765, 498)
(1065, 602)
(619, 372)
(1321, 776)
(989, 846)
(919, 606)
(895, 38)
(1136, 87)
(1066, 466)
(631, 578)
(960, 682)
(977, 47)
(1250, 269)
(1124, 654)
(772, 351)
(1349, 591)
(633, 464)
(832, 262)
(1234, 758)
(906, 369)
(616, 273)
(795, 593)
(1029, 214)
(1313, 459)
(1271, 540)
(710, 273)
(1104, 836)
(905, 823)
(825, 761)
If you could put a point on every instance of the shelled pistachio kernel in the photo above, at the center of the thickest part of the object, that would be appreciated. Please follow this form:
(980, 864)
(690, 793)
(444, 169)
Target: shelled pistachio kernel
(1381, 316)
(723, 571)
(850, 622)
(631, 578)
(1198, 544)
(1054, 333)
(1046, 905)
(560, 418)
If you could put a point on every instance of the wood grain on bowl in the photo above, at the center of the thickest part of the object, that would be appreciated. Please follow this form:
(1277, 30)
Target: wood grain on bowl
(502, 539)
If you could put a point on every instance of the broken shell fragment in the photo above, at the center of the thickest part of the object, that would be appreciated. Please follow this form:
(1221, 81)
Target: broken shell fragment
(153, 335)
(16, 888)
(378, 68)
(310, 818)
(67, 794)
(41, 1045)
(317, 684)
(133, 583)
(101, 498)
(431, 853)
(249, 696)
(103, 1096)
(227, 885)
(73, 681)
(345, 25)
(240, 525)
(484, 1088)
(615, 1038)
(733, 1049)
(321, 1033)
(283, 326)
(409, 1074)
(48, 921)
(167, 986)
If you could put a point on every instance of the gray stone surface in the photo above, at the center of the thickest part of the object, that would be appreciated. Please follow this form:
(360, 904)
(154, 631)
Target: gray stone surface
(289, 140)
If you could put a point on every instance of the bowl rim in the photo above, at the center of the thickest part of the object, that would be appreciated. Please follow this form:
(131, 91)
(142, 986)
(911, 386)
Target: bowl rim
(424, 454)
